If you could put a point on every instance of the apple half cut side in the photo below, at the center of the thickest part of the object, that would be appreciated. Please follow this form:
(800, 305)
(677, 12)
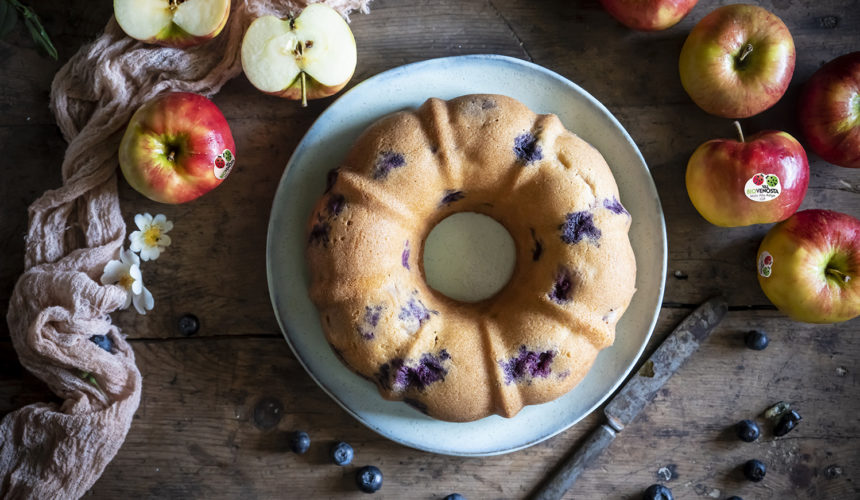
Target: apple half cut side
(172, 23)
(308, 57)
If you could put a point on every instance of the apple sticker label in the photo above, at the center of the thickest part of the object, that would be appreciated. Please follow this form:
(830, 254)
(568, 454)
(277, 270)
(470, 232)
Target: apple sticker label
(762, 187)
(765, 263)
(224, 163)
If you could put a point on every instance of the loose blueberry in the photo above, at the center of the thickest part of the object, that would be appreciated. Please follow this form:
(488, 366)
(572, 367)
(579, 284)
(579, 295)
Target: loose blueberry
(103, 341)
(455, 496)
(658, 492)
(754, 470)
(341, 453)
(368, 479)
(756, 340)
(734, 497)
(787, 422)
(189, 324)
(747, 430)
(300, 442)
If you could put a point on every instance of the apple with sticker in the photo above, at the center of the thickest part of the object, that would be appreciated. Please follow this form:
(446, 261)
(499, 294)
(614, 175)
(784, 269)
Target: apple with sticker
(758, 180)
(809, 266)
(177, 147)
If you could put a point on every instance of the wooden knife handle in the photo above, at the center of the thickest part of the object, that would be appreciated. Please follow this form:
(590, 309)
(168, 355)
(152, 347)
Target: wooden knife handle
(563, 478)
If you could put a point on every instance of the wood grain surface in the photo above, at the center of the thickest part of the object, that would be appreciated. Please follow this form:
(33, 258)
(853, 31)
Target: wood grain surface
(218, 405)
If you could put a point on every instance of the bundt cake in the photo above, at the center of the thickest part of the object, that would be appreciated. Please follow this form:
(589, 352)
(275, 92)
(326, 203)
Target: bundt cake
(538, 336)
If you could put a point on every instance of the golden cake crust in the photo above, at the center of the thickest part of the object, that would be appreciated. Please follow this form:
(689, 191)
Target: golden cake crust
(536, 338)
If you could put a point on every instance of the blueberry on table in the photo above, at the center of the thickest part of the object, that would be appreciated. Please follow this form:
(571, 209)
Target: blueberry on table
(747, 430)
(454, 496)
(787, 422)
(300, 442)
(756, 340)
(341, 453)
(103, 341)
(658, 492)
(188, 324)
(754, 470)
(368, 479)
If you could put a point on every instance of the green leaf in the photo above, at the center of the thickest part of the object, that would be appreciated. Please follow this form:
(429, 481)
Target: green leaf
(8, 18)
(34, 26)
(39, 35)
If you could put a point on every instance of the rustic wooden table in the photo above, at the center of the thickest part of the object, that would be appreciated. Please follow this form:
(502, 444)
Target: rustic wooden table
(217, 406)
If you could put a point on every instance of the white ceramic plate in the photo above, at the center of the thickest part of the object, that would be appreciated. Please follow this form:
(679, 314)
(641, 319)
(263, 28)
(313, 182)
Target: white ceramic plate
(326, 144)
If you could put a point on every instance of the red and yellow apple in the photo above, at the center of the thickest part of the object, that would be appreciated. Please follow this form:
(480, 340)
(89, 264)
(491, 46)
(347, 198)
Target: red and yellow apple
(829, 111)
(177, 147)
(809, 266)
(172, 23)
(648, 15)
(307, 57)
(737, 61)
(738, 183)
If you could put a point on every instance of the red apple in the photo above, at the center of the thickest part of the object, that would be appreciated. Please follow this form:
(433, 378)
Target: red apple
(177, 147)
(737, 61)
(648, 15)
(809, 266)
(830, 111)
(739, 183)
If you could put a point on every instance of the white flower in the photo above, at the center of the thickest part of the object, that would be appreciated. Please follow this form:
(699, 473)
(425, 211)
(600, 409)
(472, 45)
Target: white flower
(151, 239)
(126, 273)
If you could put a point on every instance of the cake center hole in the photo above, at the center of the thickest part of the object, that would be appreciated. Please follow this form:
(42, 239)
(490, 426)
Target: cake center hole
(469, 257)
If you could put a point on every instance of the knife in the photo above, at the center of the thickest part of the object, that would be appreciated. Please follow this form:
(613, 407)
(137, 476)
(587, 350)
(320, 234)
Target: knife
(636, 393)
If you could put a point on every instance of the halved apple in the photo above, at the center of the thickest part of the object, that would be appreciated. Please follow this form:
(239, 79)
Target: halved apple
(307, 57)
(172, 23)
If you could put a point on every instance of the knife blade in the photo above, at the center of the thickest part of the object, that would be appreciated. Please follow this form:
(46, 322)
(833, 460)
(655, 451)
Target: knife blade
(636, 394)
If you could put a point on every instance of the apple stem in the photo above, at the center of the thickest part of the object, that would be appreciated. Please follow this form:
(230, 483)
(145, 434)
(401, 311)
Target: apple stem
(748, 48)
(737, 125)
(304, 91)
(171, 156)
(838, 274)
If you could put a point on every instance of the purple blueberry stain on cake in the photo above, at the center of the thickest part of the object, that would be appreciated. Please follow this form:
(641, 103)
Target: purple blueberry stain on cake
(615, 206)
(414, 314)
(537, 250)
(367, 327)
(451, 196)
(336, 204)
(330, 179)
(404, 257)
(527, 149)
(400, 375)
(385, 163)
(562, 287)
(527, 364)
(319, 233)
(488, 103)
(578, 226)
